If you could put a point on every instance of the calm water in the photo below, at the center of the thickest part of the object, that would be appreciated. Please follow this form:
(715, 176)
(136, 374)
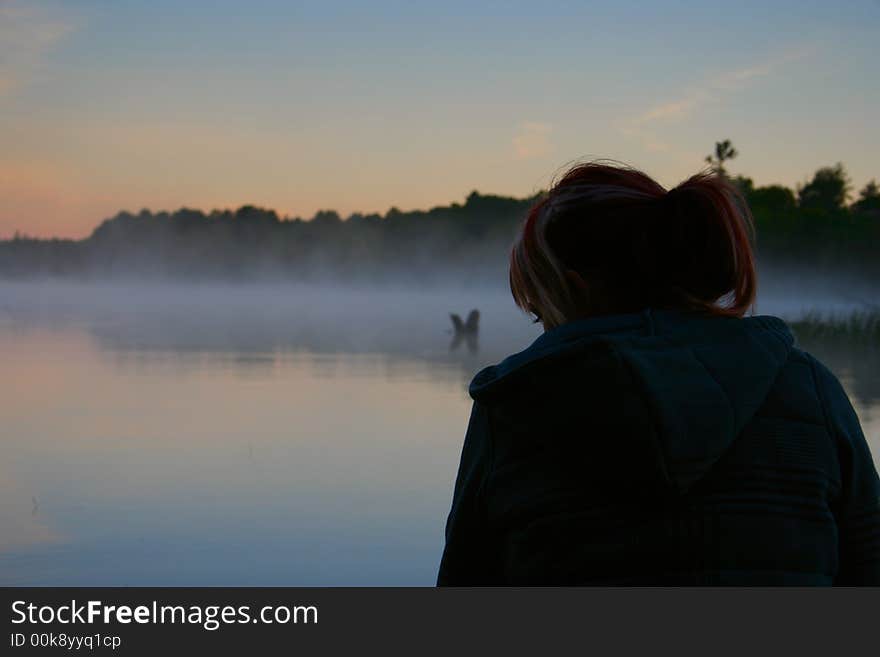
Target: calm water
(249, 436)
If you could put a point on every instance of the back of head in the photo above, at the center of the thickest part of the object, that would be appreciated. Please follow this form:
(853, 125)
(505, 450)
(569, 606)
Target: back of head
(608, 239)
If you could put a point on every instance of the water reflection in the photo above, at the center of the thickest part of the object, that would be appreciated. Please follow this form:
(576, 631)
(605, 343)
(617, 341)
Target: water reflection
(263, 439)
(161, 462)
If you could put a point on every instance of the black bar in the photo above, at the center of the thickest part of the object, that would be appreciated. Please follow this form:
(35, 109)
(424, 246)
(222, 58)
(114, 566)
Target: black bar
(415, 621)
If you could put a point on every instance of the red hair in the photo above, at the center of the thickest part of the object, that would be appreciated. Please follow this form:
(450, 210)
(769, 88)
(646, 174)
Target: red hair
(609, 239)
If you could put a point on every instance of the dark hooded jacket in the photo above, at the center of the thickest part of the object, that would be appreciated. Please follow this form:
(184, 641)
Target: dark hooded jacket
(663, 448)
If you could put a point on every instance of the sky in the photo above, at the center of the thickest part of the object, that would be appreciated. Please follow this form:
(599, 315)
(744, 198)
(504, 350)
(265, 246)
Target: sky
(361, 106)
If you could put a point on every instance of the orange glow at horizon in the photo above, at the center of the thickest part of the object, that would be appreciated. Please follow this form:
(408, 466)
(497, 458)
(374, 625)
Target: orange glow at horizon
(105, 108)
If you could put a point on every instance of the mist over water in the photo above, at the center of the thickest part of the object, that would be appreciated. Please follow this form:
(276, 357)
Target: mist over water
(268, 434)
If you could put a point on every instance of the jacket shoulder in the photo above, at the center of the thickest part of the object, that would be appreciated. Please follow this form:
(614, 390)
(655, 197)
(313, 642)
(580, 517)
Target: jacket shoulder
(534, 365)
(834, 410)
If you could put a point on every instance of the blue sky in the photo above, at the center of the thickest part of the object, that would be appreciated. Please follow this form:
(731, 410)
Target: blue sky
(361, 106)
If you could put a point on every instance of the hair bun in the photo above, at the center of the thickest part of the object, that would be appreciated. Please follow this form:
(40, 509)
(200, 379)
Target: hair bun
(636, 244)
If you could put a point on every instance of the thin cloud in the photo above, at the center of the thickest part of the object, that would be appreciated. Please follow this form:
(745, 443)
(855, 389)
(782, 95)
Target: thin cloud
(532, 140)
(712, 91)
(28, 31)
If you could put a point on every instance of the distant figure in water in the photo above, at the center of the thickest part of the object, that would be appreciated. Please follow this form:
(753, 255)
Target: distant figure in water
(465, 331)
(654, 434)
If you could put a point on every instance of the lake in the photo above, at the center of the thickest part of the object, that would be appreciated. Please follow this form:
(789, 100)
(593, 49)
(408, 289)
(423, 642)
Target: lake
(256, 434)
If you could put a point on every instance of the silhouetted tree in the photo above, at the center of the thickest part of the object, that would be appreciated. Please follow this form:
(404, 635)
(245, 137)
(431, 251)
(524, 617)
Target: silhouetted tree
(869, 200)
(774, 199)
(326, 217)
(827, 191)
(724, 151)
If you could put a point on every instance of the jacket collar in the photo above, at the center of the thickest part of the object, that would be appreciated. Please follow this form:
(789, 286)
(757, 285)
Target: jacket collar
(648, 322)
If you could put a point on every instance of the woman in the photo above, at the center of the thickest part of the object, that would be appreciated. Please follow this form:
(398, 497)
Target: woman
(653, 435)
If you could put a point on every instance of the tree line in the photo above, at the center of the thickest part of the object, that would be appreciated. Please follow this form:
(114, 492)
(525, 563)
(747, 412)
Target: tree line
(819, 223)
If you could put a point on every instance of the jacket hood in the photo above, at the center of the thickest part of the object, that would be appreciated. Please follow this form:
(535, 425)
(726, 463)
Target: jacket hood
(703, 377)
